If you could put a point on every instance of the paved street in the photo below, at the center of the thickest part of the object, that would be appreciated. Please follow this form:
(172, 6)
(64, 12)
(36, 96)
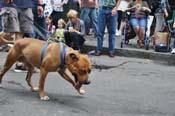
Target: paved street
(119, 86)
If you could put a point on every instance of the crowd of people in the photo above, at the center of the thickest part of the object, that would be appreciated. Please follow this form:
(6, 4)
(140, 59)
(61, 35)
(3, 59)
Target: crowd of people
(43, 18)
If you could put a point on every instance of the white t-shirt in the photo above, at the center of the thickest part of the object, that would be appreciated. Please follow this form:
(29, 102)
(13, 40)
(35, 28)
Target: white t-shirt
(123, 5)
(56, 4)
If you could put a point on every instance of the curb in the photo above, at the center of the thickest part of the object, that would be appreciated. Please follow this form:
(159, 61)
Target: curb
(163, 58)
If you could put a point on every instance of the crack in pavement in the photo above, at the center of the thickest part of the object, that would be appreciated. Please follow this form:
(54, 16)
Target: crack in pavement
(15, 83)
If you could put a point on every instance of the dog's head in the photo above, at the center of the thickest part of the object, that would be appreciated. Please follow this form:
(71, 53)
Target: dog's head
(79, 65)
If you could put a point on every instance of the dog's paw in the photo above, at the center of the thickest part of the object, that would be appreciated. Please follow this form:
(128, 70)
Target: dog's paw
(81, 91)
(44, 98)
(35, 89)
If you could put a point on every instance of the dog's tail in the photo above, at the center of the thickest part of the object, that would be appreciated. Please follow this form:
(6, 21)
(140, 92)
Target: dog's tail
(4, 41)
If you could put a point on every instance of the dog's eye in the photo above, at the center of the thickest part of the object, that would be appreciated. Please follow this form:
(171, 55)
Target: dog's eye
(82, 72)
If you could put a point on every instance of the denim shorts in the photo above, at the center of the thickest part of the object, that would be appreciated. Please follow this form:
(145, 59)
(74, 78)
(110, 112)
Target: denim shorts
(141, 22)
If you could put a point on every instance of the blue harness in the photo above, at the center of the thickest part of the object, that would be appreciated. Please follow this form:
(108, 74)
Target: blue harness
(44, 50)
(62, 56)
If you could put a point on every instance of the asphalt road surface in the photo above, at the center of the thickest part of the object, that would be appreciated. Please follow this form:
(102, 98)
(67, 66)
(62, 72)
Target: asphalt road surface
(119, 87)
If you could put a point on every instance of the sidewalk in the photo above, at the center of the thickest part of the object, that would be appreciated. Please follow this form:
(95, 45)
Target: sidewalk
(130, 50)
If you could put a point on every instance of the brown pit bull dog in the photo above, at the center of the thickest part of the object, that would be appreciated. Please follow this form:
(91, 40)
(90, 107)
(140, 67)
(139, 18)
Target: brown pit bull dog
(48, 57)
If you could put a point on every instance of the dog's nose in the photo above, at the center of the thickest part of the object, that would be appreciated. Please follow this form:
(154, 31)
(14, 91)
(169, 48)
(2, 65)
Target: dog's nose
(87, 82)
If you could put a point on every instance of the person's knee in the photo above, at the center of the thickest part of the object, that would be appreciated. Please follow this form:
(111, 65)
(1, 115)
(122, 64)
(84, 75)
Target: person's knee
(73, 34)
(136, 30)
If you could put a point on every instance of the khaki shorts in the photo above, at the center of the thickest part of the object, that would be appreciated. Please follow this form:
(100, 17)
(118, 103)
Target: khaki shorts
(17, 22)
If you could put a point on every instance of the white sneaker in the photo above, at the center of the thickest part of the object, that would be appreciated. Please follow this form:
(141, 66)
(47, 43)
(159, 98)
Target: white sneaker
(173, 51)
(118, 33)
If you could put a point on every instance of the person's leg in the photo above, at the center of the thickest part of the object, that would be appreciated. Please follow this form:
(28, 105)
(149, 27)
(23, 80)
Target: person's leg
(10, 23)
(160, 20)
(67, 38)
(149, 23)
(26, 26)
(111, 25)
(118, 22)
(122, 23)
(81, 40)
(135, 24)
(143, 25)
(0, 23)
(75, 39)
(84, 15)
(101, 28)
(93, 16)
(173, 36)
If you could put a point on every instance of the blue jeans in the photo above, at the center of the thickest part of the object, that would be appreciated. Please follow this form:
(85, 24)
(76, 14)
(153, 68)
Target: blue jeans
(91, 13)
(105, 19)
(0, 23)
(173, 36)
(74, 40)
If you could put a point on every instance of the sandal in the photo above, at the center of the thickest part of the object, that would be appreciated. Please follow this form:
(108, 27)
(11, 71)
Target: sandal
(139, 44)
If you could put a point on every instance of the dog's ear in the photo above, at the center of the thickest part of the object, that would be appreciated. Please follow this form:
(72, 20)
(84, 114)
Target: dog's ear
(74, 57)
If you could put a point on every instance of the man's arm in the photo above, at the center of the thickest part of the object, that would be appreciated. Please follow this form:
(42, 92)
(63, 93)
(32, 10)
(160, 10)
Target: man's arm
(114, 10)
(79, 2)
(40, 8)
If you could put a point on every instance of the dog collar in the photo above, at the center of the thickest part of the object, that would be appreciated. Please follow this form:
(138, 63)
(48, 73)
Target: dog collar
(63, 56)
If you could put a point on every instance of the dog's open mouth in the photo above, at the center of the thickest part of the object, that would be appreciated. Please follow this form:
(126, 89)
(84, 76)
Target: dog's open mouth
(86, 82)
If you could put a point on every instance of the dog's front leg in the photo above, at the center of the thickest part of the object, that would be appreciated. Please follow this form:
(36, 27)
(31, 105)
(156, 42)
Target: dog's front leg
(64, 74)
(43, 75)
(79, 89)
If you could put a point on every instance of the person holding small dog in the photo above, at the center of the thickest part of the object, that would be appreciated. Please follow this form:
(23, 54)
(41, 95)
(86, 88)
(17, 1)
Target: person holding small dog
(74, 36)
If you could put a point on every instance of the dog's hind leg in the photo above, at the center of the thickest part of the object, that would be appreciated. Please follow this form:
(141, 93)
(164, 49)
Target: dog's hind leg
(29, 77)
(11, 58)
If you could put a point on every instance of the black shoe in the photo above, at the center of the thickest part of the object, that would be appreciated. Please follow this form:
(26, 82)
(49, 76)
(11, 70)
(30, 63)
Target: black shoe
(20, 69)
(111, 55)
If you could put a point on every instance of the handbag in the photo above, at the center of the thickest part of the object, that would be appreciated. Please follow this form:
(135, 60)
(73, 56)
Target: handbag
(160, 42)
